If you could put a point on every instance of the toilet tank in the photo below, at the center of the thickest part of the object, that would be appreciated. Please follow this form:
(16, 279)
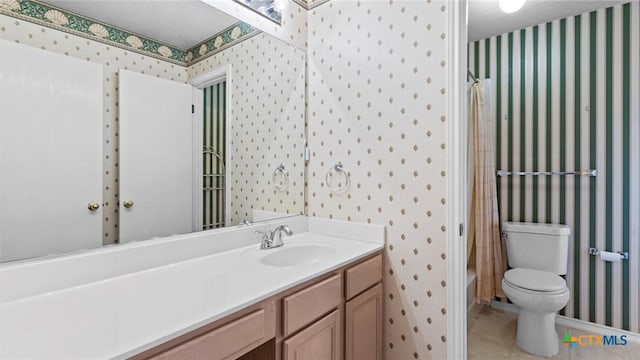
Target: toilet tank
(542, 247)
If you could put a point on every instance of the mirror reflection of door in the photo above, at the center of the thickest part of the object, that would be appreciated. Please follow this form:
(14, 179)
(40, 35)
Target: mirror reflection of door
(174, 151)
(156, 157)
(50, 153)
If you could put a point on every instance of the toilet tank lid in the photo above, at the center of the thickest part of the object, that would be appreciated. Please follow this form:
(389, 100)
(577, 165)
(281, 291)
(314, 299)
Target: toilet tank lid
(536, 228)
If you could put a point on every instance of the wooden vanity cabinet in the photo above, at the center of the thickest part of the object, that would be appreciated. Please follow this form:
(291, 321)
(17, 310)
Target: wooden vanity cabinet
(311, 303)
(363, 320)
(320, 341)
(363, 326)
(312, 322)
(352, 331)
(227, 338)
(337, 316)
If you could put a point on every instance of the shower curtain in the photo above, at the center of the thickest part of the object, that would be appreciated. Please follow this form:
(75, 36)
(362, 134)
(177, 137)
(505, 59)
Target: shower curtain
(484, 223)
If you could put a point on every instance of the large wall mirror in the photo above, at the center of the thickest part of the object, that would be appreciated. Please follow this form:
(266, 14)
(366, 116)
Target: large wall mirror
(161, 129)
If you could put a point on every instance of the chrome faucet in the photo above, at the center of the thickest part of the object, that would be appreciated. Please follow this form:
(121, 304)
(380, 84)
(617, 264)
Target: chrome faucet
(276, 235)
(273, 239)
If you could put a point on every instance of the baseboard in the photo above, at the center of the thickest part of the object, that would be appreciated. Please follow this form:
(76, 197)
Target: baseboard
(472, 311)
(472, 307)
(576, 323)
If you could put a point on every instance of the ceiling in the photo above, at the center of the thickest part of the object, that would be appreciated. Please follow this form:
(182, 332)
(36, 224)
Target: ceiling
(179, 23)
(185, 23)
(486, 19)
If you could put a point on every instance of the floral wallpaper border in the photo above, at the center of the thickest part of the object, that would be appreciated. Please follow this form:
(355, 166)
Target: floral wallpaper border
(59, 19)
(226, 38)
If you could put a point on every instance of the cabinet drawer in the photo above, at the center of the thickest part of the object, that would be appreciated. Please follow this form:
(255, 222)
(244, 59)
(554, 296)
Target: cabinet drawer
(228, 341)
(363, 276)
(307, 305)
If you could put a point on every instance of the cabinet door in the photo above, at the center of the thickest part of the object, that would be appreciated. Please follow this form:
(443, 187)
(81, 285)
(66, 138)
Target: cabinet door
(320, 341)
(363, 326)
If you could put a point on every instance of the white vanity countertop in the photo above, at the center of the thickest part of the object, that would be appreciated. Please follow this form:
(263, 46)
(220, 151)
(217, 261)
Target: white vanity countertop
(124, 315)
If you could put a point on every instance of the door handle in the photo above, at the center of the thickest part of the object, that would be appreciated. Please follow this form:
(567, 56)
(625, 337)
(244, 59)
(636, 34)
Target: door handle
(127, 203)
(93, 206)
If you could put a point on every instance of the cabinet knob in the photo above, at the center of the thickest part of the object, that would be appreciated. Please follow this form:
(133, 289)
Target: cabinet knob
(93, 206)
(127, 203)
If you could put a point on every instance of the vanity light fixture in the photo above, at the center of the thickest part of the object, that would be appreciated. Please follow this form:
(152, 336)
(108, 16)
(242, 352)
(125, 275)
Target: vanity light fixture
(510, 6)
(271, 9)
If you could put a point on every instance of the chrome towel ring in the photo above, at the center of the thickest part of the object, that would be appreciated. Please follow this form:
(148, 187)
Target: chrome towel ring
(280, 178)
(334, 175)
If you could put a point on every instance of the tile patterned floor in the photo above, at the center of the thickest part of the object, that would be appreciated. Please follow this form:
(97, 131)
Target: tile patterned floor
(492, 335)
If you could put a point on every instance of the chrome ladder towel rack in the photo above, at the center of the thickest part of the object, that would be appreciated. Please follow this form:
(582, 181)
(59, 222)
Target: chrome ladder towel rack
(470, 75)
(546, 173)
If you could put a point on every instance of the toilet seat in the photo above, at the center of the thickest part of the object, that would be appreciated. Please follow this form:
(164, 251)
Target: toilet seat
(535, 280)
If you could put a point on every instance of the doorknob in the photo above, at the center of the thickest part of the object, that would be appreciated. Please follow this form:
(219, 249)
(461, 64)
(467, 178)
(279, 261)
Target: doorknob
(93, 206)
(127, 203)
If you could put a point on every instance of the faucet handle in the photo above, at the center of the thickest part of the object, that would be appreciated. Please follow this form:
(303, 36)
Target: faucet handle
(262, 235)
(265, 238)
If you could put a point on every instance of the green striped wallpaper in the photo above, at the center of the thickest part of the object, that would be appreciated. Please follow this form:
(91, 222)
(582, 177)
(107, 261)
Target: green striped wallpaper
(213, 142)
(567, 97)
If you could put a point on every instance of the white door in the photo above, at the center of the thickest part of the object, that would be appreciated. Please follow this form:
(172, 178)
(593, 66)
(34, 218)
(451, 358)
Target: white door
(50, 152)
(156, 167)
(196, 98)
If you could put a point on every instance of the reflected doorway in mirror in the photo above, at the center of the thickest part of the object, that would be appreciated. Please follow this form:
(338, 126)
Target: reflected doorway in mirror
(212, 149)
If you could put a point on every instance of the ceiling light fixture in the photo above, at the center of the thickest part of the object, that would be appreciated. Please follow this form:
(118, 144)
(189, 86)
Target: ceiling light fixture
(510, 6)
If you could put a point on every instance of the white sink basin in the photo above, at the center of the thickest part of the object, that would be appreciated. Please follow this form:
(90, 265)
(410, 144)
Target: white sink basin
(297, 255)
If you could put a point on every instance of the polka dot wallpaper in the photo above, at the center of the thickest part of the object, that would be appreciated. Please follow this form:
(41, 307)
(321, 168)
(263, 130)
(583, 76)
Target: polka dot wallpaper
(268, 89)
(113, 58)
(377, 73)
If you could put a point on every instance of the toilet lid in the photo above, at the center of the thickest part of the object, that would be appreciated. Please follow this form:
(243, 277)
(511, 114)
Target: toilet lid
(535, 280)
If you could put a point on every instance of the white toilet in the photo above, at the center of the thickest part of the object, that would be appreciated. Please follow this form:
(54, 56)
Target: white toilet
(537, 254)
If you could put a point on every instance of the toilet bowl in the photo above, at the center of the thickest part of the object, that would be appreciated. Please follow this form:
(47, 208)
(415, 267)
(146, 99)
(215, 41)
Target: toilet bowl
(537, 254)
(538, 295)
